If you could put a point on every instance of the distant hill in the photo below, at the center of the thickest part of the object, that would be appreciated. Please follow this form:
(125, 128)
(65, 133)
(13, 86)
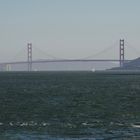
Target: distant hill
(133, 65)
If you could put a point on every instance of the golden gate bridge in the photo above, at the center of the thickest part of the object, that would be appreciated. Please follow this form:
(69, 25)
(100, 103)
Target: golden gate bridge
(29, 62)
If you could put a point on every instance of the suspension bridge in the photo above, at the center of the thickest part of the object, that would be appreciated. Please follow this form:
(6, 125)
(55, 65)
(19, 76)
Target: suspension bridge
(29, 63)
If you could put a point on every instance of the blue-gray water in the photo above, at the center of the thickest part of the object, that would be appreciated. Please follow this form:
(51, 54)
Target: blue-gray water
(70, 106)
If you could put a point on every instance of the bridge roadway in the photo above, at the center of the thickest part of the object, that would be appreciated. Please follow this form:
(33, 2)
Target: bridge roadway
(64, 60)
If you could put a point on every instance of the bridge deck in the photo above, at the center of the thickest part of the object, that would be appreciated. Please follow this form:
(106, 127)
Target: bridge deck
(65, 60)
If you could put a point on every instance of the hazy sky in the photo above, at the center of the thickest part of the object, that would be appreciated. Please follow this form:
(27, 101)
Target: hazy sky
(67, 28)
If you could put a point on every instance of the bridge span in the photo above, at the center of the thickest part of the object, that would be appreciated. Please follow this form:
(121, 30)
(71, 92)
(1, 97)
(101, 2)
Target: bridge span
(64, 60)
(61, 64)
(31, 64)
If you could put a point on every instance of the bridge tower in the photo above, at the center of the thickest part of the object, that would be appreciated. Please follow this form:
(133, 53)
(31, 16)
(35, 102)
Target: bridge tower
(29, 53)
(122, 52)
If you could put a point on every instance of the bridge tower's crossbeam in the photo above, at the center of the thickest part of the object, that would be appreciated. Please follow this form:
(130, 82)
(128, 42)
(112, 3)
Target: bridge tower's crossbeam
(122, 53)
(29, 55)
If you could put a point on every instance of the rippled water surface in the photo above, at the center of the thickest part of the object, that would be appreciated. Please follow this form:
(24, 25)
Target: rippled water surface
(69, 106)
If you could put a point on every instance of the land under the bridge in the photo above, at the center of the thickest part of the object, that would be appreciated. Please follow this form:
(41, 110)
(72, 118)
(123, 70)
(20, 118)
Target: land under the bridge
(133, 65)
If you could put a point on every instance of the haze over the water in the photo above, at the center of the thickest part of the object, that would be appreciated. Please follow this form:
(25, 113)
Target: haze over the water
(67, 28)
